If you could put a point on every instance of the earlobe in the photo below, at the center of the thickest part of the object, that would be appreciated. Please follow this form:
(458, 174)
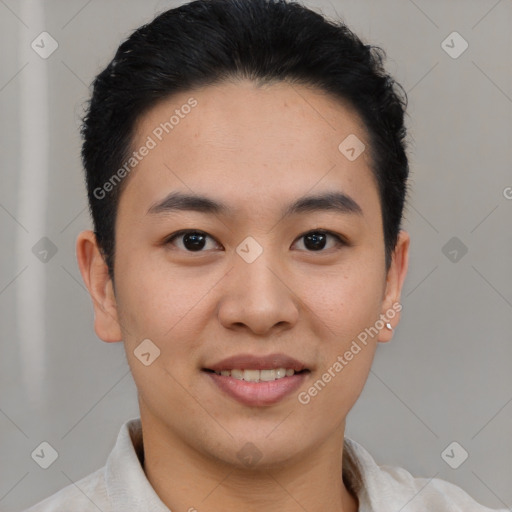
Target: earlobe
(97, 280)
(391, 306)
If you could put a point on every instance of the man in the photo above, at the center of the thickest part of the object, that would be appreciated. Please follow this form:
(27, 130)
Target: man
(246, 173)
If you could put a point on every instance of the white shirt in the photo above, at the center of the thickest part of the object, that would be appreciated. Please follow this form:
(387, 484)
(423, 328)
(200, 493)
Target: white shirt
(121, 485)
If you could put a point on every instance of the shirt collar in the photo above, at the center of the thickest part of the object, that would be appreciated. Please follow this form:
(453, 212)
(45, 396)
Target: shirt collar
(127, 485)
(129, 489)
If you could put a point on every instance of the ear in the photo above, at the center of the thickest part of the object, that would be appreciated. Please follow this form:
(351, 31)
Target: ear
(95, 275)
(391, 306)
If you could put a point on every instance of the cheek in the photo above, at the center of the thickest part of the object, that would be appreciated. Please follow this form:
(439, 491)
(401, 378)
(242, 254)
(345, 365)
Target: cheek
(142, 299)
(346, 308)
(163, 303)
(347, 300)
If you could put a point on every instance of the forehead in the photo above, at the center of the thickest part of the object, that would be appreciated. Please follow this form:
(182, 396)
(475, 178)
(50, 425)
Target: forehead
(250, 144)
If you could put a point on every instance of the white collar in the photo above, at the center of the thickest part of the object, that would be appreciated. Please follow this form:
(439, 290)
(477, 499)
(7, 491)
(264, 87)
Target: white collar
(129, 489)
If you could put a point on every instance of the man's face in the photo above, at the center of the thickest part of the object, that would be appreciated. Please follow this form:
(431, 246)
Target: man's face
(253, 281)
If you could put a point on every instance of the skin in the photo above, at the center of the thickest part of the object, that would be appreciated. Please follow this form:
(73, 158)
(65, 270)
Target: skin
(256, 149)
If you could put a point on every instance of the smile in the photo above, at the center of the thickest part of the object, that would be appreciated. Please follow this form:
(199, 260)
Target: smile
(258, 375)
(257, 388)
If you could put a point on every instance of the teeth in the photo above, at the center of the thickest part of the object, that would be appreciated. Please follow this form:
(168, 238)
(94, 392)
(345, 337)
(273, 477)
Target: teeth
(267, 375)
(251, 375)
(237, 374)
(258, 375)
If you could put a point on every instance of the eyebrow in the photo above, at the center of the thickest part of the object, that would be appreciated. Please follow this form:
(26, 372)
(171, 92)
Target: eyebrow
(328, 201)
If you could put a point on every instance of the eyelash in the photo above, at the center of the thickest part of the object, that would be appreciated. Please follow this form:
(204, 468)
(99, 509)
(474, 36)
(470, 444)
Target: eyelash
(340, 241)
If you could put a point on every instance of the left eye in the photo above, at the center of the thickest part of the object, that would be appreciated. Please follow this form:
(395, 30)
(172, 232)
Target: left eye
(195, 241)
(317, 240)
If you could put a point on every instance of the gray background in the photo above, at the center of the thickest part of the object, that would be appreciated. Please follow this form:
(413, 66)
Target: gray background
(446, 374)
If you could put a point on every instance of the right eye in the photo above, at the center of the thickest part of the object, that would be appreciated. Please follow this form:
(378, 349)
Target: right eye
(191, 240)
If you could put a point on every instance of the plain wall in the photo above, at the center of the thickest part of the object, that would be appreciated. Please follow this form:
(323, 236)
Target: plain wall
(446, 374)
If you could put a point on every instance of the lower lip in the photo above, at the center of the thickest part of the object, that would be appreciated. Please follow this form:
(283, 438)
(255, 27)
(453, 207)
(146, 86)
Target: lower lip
(258, 393)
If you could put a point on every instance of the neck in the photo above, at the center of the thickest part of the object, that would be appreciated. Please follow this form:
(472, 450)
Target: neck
(188, 480)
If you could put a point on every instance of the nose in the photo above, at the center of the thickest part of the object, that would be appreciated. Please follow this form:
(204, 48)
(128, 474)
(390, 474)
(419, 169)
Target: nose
(259, 297)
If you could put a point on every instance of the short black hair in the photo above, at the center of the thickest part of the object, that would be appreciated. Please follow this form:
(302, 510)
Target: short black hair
(206, 42)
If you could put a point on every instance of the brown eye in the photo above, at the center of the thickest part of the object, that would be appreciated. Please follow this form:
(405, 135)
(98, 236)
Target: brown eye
(191, 241)
(197, 241)
(316, 241)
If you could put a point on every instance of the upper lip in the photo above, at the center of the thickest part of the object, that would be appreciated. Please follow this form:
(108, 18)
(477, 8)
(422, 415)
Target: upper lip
(252, 362)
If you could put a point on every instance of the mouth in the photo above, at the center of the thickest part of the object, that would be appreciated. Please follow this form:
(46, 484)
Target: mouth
(255, 375)
(257, 380)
